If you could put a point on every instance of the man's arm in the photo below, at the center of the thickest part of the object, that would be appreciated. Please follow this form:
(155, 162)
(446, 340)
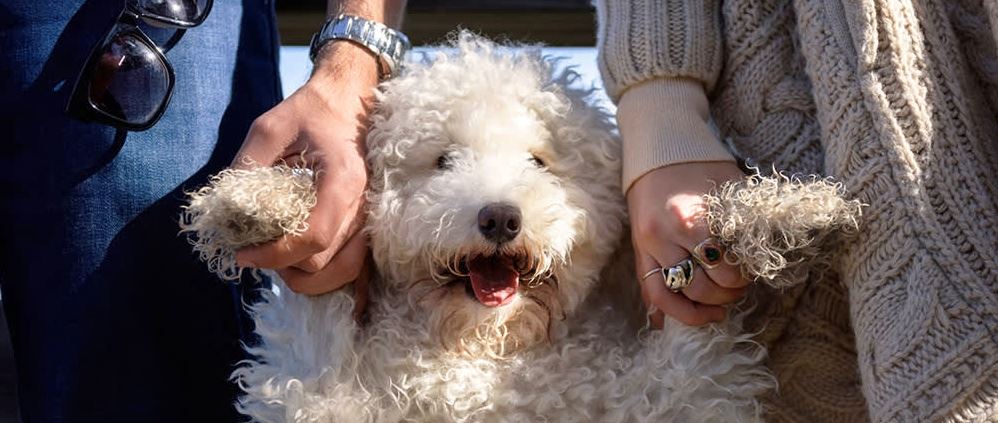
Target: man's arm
(324, 123)
(388, 12)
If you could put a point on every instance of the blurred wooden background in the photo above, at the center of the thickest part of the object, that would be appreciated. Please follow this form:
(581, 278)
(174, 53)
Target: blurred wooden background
(552, 22)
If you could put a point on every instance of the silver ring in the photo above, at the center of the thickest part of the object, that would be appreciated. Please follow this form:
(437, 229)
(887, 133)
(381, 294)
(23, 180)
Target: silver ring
(680, 276)
(651, 272)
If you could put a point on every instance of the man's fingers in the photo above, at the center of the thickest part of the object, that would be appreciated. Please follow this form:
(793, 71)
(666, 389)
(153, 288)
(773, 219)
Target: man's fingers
(337, 216)
(330, 226)
(317, 261)
(266, 141)
(340, 183)
(344, 268)
(705, 291)
(283, 252)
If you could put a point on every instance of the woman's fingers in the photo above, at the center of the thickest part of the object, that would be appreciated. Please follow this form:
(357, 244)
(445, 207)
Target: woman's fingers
(705, 290)
(673, 304)
(655, 316)
(709, 254)
(727, 276)
(662, 243)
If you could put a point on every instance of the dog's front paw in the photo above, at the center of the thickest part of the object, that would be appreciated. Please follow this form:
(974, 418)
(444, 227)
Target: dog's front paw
(242, 207)
(780, 229)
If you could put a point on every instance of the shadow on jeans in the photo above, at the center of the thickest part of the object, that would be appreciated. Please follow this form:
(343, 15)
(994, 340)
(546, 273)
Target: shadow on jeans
(8, 379)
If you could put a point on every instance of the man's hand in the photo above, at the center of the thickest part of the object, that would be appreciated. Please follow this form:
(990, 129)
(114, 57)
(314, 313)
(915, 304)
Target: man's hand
(665, 206)
(323, 123)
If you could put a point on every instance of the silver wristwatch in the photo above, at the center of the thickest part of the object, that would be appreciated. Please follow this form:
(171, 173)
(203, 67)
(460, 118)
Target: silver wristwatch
(387, 44)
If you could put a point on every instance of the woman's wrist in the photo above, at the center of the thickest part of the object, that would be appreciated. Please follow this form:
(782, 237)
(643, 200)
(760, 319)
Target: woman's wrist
(663, 122)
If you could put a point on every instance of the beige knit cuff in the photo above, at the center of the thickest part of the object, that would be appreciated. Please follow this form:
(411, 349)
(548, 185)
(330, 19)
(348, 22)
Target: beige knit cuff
(666, 121)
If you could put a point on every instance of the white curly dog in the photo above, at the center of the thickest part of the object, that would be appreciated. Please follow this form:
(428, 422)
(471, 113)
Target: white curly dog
(495, 216)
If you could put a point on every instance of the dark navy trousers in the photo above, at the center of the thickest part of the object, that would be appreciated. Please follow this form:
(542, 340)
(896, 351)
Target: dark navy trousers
(112, 317)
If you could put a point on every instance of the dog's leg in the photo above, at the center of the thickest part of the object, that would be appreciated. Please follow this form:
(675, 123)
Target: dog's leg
(302, 366)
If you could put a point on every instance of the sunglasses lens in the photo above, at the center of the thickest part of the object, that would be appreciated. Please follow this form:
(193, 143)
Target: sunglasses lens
(129, 81)
(188, 11)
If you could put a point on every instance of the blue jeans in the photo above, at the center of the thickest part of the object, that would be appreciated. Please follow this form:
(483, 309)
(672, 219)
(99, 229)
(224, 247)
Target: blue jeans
(112, 317)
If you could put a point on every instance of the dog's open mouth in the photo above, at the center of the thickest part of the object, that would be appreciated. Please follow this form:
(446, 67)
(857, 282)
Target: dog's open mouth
(494, 279)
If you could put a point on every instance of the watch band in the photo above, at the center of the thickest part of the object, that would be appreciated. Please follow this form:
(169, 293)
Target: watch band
(387, 44)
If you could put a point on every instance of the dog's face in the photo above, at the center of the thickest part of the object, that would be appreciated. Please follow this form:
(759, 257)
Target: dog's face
(495, 195)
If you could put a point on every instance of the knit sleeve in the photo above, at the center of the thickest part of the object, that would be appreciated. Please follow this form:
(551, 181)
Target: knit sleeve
(640, 40)
(657, 58)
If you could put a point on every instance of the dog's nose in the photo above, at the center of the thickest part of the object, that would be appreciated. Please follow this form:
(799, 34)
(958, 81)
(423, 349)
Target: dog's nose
(499, 222)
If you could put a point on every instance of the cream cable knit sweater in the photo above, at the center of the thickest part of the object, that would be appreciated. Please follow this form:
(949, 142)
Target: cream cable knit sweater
(898, 100)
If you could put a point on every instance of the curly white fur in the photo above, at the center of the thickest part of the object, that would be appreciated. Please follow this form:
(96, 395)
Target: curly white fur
(780, 229)
(241, 207)
(450, 135)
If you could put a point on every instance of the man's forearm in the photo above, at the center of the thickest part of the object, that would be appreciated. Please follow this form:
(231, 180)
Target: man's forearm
(389, 12)
(347, 59)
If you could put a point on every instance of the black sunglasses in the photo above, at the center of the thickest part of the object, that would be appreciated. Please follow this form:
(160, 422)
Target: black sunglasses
(127, 82)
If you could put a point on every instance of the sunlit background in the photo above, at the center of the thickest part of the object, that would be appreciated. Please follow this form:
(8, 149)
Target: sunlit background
(565, 27)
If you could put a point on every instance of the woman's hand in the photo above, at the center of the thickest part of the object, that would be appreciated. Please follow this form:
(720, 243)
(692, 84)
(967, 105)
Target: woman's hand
(665, 206)
(323, 123)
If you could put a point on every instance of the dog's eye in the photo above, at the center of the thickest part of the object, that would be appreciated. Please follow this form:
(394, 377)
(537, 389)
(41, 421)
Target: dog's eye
(443, 162)
(537, 161)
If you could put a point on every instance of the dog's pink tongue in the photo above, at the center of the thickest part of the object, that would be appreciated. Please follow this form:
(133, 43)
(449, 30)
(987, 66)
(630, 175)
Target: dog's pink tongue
(494, 280)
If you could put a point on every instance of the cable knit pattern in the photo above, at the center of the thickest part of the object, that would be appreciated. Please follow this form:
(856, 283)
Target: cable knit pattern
(646, 39)
(898, 101)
